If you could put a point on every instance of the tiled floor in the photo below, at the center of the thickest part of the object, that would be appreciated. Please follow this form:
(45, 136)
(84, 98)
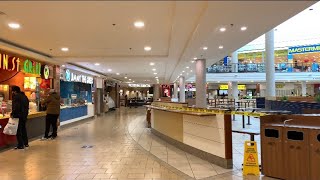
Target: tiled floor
(102, 148)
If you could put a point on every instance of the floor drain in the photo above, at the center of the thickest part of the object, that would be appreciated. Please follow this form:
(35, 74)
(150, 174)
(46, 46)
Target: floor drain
(86, 146)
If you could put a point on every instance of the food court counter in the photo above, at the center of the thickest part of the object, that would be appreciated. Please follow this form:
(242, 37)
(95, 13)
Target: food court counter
(69, 114)
(201, 132)
(35, 127)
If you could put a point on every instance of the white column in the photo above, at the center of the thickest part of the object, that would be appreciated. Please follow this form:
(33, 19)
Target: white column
(234, 61)
(201, 89)
(235, 91)
(230, 90)
(156, 92)
(303, 88)
(270, 71)
(182, 89)
(175, 90)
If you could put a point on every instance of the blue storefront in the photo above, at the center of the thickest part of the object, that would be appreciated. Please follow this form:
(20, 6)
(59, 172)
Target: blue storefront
(76, 95)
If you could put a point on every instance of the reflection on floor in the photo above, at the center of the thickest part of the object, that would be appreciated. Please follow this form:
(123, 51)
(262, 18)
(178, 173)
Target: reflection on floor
(102, 148)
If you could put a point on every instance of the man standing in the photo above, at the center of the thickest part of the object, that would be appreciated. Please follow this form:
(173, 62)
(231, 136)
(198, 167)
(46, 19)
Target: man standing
(53, 111)
(20, 109)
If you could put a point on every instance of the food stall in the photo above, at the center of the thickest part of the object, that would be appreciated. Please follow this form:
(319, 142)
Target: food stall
(35, 79)
(76, 96)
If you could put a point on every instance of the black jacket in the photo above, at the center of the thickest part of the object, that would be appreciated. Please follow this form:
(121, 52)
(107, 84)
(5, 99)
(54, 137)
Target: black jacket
(20, 105)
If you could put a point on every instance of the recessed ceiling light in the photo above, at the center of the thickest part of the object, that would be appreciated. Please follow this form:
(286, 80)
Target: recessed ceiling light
(190, 70)
(125, 77)
(180, 74)
(152, 64)
(109, 70)
(65, 49)
(155, 73)
(195, 58)
(156, 77)
(223, 29)
(63, 65)
(192, 61)
(205, 48)
(97, 64)
(243, 28)
(118, 74)
(187, 67)
(14, 25)
(129, 79)
(153, 69)
(183, 71)
(139, 24)
(132, 81)
(220, 47)
(147, 48)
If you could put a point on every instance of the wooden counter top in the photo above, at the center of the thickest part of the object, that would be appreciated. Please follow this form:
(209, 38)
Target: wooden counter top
(182, 111)
(30, 116)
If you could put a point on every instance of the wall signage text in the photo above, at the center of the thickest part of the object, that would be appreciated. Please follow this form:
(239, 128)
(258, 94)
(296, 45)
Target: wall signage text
(9, 63)
(74, 77)
(304, 49)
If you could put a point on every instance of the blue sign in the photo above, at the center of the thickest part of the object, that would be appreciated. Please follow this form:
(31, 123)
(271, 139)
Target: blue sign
(304, 49)
(68, 75)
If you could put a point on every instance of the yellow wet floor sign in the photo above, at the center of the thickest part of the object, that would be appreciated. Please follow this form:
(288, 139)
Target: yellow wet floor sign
(250, 161)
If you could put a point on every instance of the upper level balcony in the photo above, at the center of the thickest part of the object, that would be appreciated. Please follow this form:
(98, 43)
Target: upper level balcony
(260, 68)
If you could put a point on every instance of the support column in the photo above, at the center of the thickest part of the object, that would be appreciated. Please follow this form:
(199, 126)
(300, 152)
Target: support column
(234, 61)
(304, 88)
(175, 90)
(235, 91)
(201, 89)
(230, 90)
(270, 71)
(182, 89)
(156, 92)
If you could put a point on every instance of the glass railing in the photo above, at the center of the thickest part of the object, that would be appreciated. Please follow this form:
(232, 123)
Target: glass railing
(260, 68)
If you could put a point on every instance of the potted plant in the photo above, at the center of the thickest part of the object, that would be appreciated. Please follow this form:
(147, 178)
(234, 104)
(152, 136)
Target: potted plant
(284, 98)
(317, 98)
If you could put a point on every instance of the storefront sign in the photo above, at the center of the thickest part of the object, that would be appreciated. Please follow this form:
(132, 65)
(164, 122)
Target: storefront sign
(279, 86)
(9, 63)
(46, 72)
(225, 87)
(304, 49)
(139, 85)
(32, 67)
(74, 77)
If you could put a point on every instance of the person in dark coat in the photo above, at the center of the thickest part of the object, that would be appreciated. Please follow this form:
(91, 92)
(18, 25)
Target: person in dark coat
(20, 109)
(53, 111)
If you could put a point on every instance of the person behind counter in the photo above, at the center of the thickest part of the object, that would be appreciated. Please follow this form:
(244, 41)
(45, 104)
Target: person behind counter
(20, 109)
(53, 111)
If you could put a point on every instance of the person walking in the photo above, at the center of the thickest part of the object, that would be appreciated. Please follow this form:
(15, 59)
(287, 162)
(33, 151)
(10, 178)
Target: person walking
(20, 109)
(53, 111)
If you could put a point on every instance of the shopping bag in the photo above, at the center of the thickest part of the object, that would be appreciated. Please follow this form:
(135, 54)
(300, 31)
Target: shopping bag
(58, 122)
(11, 127)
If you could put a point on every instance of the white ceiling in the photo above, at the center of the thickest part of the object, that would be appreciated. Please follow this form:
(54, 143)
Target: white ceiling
(176, 31)
(298, 30)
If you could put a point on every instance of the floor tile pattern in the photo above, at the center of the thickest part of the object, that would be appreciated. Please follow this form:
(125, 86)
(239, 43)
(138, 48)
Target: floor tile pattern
(113, 154)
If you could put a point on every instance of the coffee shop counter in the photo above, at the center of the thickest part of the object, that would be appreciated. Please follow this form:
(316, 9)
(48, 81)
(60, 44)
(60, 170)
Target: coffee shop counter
(201, 132)
(35, 127)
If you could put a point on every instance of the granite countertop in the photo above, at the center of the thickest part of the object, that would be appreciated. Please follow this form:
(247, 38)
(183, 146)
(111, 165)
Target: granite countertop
(183, 111)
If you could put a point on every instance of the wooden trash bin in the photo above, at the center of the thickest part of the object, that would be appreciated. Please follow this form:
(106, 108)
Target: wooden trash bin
(272, 151)
(296, 153)
(314, 154)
